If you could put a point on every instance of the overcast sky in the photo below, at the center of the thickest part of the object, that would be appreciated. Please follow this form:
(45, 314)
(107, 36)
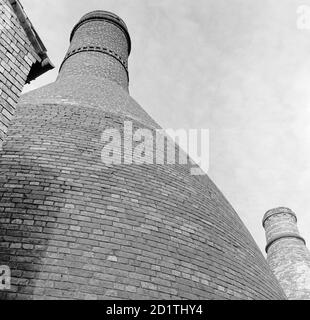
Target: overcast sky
(240, 68)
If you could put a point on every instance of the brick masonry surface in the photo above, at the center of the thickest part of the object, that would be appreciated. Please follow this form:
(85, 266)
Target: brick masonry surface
(75, 228)
(16, 58)
(287, 254)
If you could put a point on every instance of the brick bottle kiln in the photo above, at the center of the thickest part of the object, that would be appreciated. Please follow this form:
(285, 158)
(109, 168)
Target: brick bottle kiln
(73, 227)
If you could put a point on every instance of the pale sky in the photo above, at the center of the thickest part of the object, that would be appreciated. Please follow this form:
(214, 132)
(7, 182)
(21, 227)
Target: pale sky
(240, 68)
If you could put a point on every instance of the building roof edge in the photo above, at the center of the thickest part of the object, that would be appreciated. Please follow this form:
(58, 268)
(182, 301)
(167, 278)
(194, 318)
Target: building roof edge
(43, 63)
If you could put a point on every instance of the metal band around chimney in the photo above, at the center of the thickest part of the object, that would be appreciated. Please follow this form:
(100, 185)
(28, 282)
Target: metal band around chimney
(284, 235)
(103, 50)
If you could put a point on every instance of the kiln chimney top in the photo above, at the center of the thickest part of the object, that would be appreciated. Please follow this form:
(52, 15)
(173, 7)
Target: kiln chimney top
(104, 15)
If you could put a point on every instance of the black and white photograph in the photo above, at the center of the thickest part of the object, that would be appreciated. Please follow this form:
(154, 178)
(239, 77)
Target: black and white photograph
(155, 151)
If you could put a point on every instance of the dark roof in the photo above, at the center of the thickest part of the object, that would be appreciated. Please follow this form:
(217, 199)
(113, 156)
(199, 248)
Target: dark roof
(43, 63)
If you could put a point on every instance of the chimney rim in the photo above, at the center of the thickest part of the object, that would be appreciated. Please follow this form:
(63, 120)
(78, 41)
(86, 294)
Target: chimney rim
(103, 15)
(278, 210)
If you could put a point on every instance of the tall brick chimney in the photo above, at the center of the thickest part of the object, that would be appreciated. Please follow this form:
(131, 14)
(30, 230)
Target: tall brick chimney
(100, 45)
(74, 227)
(287, 254)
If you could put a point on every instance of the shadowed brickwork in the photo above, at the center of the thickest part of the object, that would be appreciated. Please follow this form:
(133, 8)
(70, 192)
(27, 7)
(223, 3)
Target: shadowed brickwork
(287, 254)
(73, 227)
(22, 59)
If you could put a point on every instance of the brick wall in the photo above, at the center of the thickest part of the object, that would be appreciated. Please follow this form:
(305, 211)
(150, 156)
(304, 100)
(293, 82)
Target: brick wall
(17, 58)
(287, 254)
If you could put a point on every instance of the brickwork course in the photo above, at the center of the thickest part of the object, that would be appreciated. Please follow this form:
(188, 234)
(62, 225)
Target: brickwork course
(22, 58)
(73, 227)
(287, 254)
